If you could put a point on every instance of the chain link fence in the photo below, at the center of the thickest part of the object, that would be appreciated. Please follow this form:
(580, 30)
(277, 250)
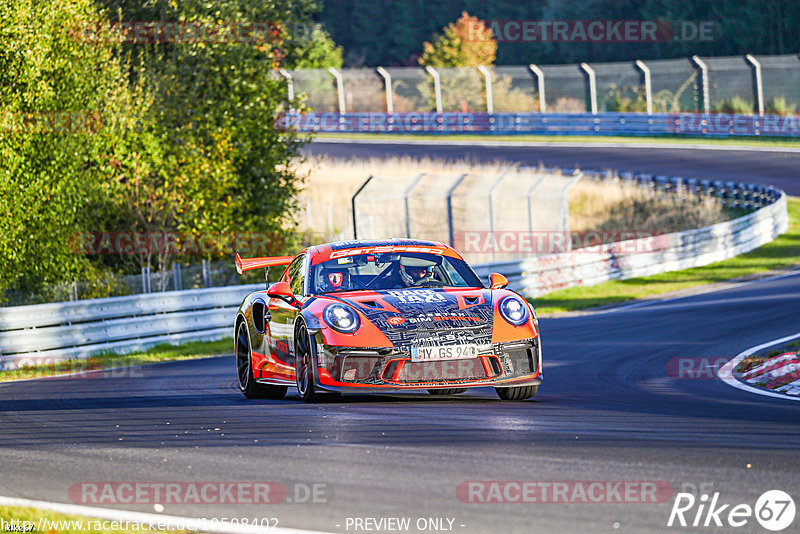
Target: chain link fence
(179, 277)
(725, 84)
(468, 211)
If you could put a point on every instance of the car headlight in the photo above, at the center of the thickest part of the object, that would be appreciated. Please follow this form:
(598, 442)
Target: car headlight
(514, 310)
(341, 318)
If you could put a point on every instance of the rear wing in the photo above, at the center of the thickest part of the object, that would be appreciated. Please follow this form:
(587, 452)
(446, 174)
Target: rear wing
(248, 264)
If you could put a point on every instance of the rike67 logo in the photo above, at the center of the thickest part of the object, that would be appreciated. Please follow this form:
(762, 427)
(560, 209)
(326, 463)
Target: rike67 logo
(774, 510)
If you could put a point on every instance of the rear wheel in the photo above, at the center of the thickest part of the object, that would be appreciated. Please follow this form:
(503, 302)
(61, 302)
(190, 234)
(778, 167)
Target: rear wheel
(305, 375)
(443, 392)
(516, 394)
(244, 369)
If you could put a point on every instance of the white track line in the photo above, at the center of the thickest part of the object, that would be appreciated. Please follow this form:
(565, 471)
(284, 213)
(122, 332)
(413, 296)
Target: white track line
(726, 371)
(167, 521)
(534, 144)
(725, 287)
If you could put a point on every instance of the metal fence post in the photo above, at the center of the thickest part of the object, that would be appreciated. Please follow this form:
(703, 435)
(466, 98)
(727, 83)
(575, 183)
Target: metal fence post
(758, 88)
(289, 85)
(591, 85)
(563, 224)
(648, 87)
(353, 205)
(538, 180)
(407, 204)
(206, 273)
(489, 96)
(437, 87)
(450, 191)
(491, 206)
(177, 281)
(339, 88)
(703, 68)
(145, 279)
(387, 81)
(539, 73)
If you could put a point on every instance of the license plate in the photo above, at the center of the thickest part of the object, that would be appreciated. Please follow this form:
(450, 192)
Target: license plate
(452, 352)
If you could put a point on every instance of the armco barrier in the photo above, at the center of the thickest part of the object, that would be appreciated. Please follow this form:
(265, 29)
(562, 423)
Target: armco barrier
(638, 124)
(679, 250)
(52, 332)
(65, 330)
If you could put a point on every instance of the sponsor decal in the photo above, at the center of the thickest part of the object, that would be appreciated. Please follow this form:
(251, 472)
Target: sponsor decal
(417, 296)
(396, 320)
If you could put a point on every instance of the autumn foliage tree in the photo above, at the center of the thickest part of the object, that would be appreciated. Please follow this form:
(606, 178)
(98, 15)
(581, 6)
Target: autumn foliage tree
(468, 42)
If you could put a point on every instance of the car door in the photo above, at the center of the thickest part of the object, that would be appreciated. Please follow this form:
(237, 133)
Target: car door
(281, 325)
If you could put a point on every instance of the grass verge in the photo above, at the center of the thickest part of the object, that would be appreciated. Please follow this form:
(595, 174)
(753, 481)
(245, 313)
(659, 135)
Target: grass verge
(782, 253)
(655, 140)
(160, 353)
(34, 520)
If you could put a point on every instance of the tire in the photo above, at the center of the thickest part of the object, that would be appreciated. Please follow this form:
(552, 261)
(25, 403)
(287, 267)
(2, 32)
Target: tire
(305, 365)
(517, 394)
(443, 392)
(244, 362)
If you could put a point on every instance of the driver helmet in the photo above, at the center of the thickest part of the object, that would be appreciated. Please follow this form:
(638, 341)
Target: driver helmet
(414, 270)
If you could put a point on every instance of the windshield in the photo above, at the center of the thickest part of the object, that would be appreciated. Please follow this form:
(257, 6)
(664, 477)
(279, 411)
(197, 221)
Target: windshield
(391, 271)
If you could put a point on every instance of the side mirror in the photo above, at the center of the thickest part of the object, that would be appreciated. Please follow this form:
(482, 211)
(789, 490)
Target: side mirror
(281, 290)
(497, 281)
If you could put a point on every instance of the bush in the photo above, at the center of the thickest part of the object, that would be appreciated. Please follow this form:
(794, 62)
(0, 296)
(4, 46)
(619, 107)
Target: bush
(779, 106)
(734, 106)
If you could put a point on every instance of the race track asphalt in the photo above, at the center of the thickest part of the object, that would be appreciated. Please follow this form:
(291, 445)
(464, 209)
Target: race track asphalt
(772, 167)
(611, 408)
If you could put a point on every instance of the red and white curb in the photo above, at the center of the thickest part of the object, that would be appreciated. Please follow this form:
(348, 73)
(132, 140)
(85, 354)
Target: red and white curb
(726, 371)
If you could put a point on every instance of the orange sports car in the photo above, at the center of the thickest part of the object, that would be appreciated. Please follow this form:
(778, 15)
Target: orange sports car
(371, 316)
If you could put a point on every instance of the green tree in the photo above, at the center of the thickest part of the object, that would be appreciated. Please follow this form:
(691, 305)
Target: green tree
(65, 105)
(315, 51)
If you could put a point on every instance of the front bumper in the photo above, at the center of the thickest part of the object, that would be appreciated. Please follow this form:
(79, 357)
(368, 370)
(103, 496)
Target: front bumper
(511, 364)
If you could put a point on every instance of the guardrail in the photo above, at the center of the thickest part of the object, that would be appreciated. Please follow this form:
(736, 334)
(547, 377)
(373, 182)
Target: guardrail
(457, 123)
(45, 333)
(58, 331)
(652, 255)
(453, 123)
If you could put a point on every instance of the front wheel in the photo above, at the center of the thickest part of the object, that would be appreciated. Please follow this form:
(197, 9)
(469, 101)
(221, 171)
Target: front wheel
(518, 393)
(244, 370)
(304, 365)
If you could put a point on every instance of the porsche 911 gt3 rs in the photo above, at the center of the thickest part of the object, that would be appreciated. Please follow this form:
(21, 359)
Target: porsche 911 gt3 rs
(368, 316)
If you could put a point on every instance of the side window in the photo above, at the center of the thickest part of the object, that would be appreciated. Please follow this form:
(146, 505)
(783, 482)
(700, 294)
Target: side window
(295, 275)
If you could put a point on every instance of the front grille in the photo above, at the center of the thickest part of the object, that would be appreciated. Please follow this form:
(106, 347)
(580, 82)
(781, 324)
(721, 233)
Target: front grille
(440, 371)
